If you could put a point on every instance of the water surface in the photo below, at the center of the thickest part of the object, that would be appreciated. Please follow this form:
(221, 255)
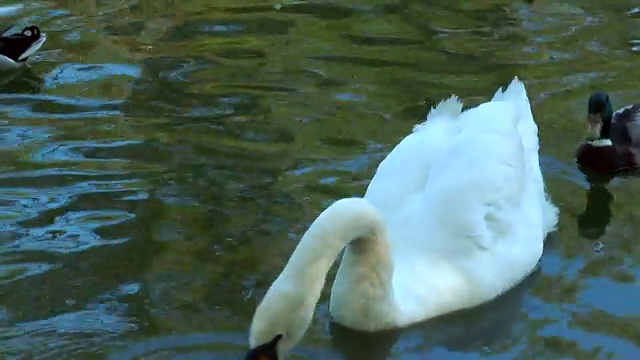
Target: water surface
(160, 160)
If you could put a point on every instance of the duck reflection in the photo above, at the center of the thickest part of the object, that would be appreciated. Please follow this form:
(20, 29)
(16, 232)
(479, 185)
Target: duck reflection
(492, 326)
(22, 80)
(593, 221)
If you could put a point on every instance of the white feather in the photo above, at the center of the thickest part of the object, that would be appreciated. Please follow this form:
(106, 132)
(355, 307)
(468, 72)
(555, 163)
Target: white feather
(413, 156)
(601, 142)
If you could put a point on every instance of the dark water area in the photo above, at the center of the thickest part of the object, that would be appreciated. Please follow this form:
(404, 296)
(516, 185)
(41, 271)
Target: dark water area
(159, 161)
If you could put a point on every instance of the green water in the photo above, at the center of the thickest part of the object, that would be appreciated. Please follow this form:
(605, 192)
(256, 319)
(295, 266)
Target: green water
(160, 160)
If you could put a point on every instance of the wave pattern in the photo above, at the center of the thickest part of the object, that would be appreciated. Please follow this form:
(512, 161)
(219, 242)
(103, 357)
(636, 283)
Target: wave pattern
(159, 161)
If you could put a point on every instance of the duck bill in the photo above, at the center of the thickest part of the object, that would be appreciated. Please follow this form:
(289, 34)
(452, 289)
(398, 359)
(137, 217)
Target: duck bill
(594, 127)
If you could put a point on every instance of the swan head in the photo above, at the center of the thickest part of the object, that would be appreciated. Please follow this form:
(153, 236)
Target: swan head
(267, 351)
(280, 321)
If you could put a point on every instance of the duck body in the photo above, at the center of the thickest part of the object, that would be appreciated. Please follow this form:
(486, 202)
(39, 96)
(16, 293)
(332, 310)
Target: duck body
(16, 48)
(614, 141)
(455, 215)
(607, 157)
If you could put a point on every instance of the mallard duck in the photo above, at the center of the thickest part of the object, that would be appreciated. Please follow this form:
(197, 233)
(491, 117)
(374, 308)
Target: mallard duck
(16, 48)
(454, 216)
(613, 143)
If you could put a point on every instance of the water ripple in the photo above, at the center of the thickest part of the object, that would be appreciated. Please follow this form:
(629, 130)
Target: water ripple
(77, 150)
(228, 27)
(160, 160)
(14, 272)
(69, 231)
(14, 136)
(63, 335)
(72, 232)
(75, 73)
(30, 106)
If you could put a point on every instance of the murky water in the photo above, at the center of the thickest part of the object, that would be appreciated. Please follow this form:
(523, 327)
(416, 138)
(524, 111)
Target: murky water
(160, 160)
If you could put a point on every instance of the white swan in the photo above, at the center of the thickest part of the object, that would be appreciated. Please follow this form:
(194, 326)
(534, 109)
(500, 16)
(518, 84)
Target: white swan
(455, 215)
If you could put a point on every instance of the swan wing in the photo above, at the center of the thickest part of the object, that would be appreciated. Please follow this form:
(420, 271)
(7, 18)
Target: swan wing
(479, 179)
(405, 169)
(488, 185)
(528, 130)
(475, 227)
(453, 236)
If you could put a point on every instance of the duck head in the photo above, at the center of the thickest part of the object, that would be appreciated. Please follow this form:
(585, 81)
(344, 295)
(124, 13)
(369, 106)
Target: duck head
(599, 116)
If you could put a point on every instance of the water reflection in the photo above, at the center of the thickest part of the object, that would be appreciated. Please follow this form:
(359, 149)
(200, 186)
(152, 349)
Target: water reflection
(593, 221)
(22, 80)
(597, 214)
(492, 326)
(160, 160)
(188, 346)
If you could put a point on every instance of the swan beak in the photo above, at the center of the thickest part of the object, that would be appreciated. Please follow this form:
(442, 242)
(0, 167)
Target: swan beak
(268, 351)
(258, 354)
(595, 124)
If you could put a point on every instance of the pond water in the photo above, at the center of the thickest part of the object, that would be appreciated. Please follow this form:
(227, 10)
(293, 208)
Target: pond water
(160, 160)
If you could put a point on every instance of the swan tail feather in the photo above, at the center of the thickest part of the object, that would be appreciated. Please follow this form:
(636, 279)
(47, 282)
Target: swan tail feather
(446, 109)
(517, 94)
(528, 130)
(515, 91)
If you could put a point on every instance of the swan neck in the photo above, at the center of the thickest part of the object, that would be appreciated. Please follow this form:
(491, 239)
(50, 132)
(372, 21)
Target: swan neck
(288, 306)
(337, 227)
